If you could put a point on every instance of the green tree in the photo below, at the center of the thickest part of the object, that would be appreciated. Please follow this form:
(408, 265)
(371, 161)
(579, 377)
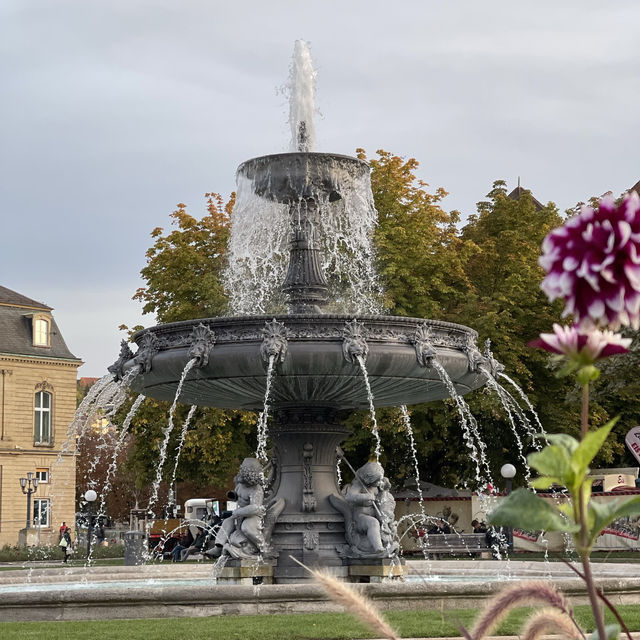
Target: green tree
(183, 282)
(184, 266)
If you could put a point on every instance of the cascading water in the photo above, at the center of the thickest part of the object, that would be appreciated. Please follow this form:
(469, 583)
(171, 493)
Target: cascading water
(491, 382)
(470, 432)
(372, 408)
(166, 433)
(261, 451)
(527, 402)
(183, 435)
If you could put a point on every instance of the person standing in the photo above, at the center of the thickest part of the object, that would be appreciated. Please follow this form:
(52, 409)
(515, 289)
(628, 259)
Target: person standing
(65, 543)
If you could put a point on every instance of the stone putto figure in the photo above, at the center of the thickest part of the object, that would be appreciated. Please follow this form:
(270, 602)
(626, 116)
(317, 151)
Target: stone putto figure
(368, 509)
(247, 532)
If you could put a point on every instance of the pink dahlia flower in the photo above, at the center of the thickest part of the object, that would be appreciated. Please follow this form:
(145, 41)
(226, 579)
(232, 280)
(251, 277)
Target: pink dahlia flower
(593, 261)
(582, 346)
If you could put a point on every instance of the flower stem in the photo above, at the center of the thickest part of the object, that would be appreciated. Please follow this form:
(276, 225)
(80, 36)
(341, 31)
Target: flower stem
(593, 596)
(584, 534)
(585, 410)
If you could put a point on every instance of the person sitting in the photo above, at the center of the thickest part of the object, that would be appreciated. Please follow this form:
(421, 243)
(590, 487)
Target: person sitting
(478, 527)
(440, 526)
(185, 543)
(197, 546)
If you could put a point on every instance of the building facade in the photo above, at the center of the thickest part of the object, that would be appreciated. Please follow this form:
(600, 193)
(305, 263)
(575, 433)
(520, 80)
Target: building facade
(37, 404)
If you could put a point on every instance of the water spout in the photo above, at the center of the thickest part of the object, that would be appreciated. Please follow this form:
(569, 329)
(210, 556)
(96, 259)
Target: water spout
(302, 94)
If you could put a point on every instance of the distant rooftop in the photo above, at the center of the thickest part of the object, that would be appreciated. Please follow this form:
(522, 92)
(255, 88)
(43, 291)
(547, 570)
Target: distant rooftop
(14, 299)
(519, 191)
(16, 328)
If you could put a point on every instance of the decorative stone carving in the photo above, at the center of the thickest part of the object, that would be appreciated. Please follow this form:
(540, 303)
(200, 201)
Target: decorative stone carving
(310, 540)
(274, 343)
(44, 386)
(308, 498)
(117, 368)
(354, 343)
(247, 532)
(202, 340)
(490, 362)
(368, 510)
(476, 359)
(423, 343)
(148, 348)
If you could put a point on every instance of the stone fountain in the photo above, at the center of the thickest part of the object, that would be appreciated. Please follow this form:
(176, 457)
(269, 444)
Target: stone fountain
(314, 365)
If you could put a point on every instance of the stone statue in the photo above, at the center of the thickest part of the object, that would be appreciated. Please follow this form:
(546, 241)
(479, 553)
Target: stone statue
(368, 509)
(247, 532)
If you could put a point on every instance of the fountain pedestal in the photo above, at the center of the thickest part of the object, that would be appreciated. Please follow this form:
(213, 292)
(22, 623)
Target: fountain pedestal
(309, 529)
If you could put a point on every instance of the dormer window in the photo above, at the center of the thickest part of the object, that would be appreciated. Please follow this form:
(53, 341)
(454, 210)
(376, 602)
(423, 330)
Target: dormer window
(41, 332)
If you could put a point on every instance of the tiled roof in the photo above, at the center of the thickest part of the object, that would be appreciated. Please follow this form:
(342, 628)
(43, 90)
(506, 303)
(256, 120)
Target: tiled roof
(517, 193)
(15, 299)
(16, 333)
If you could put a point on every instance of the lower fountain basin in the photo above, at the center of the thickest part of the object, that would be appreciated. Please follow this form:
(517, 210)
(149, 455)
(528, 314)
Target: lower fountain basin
(314, 371)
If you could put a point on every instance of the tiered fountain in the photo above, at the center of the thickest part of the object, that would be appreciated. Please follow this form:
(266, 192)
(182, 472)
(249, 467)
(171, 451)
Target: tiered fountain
(311, 368)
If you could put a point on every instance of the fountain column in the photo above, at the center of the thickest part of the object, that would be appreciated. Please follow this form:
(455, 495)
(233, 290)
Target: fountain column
(309, 529)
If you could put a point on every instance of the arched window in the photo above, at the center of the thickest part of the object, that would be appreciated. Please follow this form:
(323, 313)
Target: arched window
(41, 332)
(42, 418)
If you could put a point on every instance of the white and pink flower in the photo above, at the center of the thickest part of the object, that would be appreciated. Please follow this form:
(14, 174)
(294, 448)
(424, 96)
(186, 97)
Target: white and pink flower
(582, 346)
(593, 261)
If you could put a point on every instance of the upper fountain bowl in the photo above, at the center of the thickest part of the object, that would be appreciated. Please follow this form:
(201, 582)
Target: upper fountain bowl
(290, 177)
(316, 360)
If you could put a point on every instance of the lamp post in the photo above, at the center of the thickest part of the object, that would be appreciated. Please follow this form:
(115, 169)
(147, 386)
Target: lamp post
(29, 485)
(90, 496)
(508, 472)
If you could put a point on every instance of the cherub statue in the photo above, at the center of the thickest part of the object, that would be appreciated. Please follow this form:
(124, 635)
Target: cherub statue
(368, 509)
(247, 532)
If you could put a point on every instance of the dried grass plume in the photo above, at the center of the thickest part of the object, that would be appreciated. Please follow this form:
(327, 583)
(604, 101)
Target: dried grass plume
(550, 621)
(354, 602)
(518, 595)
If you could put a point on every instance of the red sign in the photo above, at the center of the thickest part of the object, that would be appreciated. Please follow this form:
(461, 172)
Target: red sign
(632, 440)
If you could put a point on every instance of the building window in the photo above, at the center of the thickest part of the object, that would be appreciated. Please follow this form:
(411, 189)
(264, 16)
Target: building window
(41, 512)
(40, 332)
(42, 475)
(42, 418)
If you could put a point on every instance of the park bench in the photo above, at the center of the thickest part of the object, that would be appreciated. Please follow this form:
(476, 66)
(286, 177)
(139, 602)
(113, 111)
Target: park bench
(457, 544)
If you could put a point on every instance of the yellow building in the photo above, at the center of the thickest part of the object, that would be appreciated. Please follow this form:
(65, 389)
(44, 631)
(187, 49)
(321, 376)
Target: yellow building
(37, 404)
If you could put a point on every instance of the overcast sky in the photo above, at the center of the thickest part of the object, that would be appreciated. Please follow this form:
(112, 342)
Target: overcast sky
(114, 111)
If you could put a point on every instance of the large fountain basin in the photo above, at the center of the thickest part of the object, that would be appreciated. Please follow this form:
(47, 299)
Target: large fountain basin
(314, 371)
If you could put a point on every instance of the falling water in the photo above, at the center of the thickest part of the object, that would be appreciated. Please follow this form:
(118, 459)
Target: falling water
(302, 98)
(100, 395)
(491, 382)
(406, 419)
(124, 431)
(166, 432)
(470, 431)
(183, 435)
(372, 409)
(526, 400)
(261, 451)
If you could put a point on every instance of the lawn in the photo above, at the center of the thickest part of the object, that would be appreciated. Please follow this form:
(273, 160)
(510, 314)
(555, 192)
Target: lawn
(276, 627)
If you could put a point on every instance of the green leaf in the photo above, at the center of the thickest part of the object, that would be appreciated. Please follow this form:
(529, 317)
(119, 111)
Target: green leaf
(526, 510)
(612, 631)
(604, 513)
(544, 482)
(590, 446)
(553, 461)
(563, 440)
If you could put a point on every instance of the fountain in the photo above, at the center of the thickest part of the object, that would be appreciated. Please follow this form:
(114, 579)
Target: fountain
(317, 365)
(318, 349)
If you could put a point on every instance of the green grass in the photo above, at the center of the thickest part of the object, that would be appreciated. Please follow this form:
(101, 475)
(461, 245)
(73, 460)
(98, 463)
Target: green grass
(277, 627)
